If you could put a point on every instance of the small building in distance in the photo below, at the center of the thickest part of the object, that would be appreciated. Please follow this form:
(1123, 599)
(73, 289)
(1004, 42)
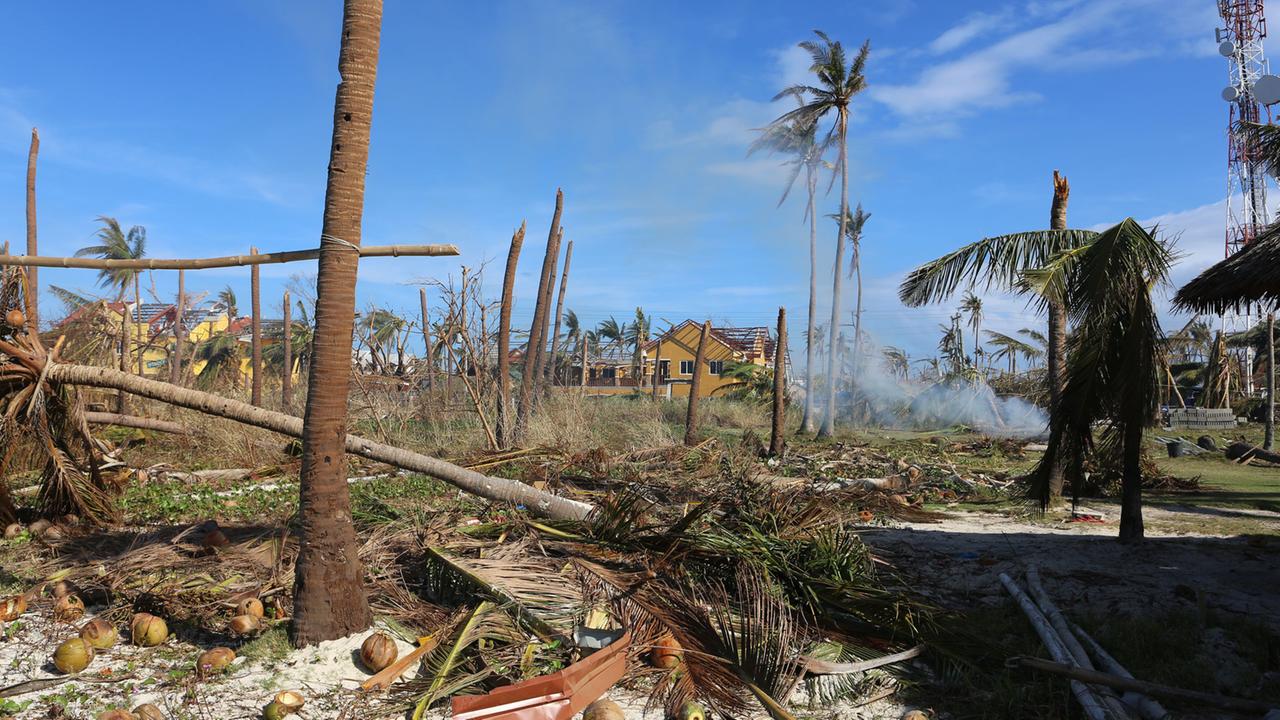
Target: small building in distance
(676, 349)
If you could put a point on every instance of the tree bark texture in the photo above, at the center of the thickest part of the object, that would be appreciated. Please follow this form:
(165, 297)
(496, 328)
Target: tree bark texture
(1056, 360)
(535, 327)
(255, 352)
(555, 335)
(286, 376)
(504, 419)
(32, 293)
(777, 440)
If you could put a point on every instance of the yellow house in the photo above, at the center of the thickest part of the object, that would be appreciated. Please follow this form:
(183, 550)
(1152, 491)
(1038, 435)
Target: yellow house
(676, 350)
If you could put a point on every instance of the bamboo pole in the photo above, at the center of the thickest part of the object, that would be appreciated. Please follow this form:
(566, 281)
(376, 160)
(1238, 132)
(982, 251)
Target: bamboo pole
(255, 352)
(555, 336)
(777, 440)
(504, 339)
(438, 250)
(695, 387)
(286, 377)
(32, 293)
(497, 489)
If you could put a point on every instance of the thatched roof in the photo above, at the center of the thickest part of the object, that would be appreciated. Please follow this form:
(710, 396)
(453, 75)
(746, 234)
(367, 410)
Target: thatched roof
(1251, 275)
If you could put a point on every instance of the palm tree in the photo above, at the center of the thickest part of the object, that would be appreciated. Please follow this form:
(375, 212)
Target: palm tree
(227, 298)
(1010, 348)
(998, 263)
(837, 85)
(116, 244)
(612, 335)
(222, 355)
(799, 139)
(637, 334)
(897, 361)
(328, 596)
(1115, 358)
(381, 328)
(972, 304)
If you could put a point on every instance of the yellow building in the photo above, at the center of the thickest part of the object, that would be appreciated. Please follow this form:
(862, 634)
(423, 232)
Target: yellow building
(676, 350)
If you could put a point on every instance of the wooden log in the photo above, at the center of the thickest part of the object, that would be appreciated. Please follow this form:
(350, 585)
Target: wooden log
(438, 250)
(1147, 688)
(777, 440)
(1083, 693)
(133, 421)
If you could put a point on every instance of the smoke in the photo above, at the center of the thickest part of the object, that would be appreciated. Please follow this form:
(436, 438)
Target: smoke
(888, 397)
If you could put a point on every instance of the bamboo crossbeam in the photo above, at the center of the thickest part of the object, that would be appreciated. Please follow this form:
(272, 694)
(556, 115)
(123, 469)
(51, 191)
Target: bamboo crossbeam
(437, 250)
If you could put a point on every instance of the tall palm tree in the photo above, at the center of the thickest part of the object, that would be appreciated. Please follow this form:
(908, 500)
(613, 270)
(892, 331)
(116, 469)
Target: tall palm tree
(972, 304)
(799, 139)
(1115, 358)
(837, 84)
(1010, 348)
(328, 595)
(854, 224)
(998, 263)
(637, 334)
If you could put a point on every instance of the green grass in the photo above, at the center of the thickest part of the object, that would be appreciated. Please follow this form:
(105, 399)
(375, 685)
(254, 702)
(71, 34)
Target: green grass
(1224, 483)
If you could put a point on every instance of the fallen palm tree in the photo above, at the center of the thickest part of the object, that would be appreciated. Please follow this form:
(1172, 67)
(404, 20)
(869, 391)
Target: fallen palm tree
(31, 371)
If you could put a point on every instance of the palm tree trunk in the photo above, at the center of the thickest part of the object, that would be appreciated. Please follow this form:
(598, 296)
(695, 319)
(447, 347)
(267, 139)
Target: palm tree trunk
(137, 304)
(328, 595)
(829, 418)
(533, 348)
(175, 363)
(504, 340)
(808, 423)
(1056, 352)
(32, 292)
(286, 376)
(1131, 492)
(540, 370)
(498, 490)
(426, 339)
(121, 401)
(777, 440)
(1269, 422)
(555, 335)
(857, 313)
(255, 354)
(657, 367)
(695, 388)
(582, 371)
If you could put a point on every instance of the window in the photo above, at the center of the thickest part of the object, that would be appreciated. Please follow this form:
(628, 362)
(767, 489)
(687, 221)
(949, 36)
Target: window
(686, 367)
(609, 373)
(717, 367)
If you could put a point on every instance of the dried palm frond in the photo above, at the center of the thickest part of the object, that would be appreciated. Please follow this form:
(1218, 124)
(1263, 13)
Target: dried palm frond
(448, 669)
(537, 592)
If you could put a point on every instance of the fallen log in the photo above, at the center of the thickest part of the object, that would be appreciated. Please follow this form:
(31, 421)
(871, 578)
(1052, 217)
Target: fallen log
(133, 421)
(1243, 452)
(497, 489)
(1146, 688)
(220, 262)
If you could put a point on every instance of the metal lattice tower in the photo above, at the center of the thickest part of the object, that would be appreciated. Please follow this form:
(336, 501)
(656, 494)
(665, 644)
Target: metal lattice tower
(1241, 42)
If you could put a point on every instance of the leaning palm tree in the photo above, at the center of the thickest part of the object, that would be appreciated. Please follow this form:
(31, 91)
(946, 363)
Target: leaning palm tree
(227, 298)
(997, 263)
(799, 140)
(1115, 358)
(972, 304)
(837, 84)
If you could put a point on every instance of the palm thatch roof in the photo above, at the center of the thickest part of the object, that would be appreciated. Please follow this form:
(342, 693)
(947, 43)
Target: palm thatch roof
(1251, 275)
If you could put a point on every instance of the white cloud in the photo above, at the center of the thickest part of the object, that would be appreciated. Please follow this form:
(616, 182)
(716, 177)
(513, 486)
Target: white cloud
(972, 28)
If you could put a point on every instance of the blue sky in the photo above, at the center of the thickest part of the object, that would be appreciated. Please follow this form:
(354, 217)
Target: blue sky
(209, 124)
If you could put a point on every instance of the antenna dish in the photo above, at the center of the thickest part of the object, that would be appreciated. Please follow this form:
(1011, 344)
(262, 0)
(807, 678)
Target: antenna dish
(1267, 90)
(1230, 93)
(1226, 48)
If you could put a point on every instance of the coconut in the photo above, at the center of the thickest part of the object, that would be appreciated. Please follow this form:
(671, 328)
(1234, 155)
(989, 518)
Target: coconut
(915, 715)
(38, 526)
(378, 651)
(15, 318)
(73, 655)
(12, 530)
(692, 711)
(147, 711)
(603, 710)
(214, 661)
(68, 607)
(12, 607)
(99, 633)
(286, 702)
(250, 606)
(54, 533)
(666, 653)
(245, 624)
(117, 714)
(148, 630)
(62, 588)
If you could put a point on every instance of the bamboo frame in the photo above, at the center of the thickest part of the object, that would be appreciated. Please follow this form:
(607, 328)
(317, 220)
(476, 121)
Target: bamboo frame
(436, 250)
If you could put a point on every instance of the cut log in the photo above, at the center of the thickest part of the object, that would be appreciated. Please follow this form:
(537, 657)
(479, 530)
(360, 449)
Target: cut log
(497, 489)
(227, 261)
(133, 421)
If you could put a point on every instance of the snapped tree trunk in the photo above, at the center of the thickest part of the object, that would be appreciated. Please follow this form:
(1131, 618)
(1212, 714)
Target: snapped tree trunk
(540, 370)
(535, 335)
(582, 371)
(32, 291)
(121, 400)
(555, 335)
(175, 362)
(695, 388)
(777, 440)
(1056, 360)
(808, 422)
(1131, 484)
(657, 367)
(141, 328)
(829, 418)
(286, 375)
(426, 340)
(500, 490)
(255, 352)
(504, 340)
(1269, 422)
(329, 601)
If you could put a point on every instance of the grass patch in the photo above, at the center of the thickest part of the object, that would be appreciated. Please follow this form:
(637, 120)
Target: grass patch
(173, 501)
(1223, 483)
(271, 646)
